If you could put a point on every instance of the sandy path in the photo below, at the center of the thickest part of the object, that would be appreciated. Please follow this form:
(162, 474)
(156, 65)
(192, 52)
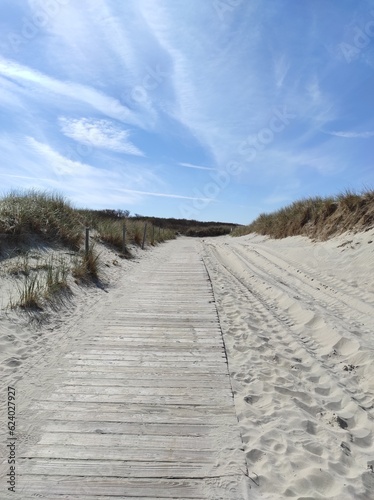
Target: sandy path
(298, 323)
(135, 400)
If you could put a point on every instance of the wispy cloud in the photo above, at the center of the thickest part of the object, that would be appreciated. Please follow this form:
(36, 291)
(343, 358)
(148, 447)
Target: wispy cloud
(59, 164)
(95, 99)
(166, 195)
(199, 167)
(351, 135)
(99, 134)
(281, 68)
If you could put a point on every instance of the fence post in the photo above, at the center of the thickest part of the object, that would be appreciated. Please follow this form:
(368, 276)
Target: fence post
(145, 231)
(87, 242)
(124, 237)
(153, 235)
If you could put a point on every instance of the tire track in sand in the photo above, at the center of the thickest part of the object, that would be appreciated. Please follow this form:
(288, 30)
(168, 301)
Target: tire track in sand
(300, 416)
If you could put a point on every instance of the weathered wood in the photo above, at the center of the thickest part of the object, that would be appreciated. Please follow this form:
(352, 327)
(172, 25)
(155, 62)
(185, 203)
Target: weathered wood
(118, 468)
(125, 428)
(143, 409)
(112, 487)
(125, 453)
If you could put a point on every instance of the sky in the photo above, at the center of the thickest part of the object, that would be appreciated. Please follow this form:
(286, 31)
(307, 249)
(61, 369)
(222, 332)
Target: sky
(215, 110)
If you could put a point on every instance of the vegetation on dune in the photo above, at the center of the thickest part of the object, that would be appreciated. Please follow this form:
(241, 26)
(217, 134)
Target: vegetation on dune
(317, 217)
(206, 231)
(193, 227)
(34, 213)
(32, 219)
(109, 225)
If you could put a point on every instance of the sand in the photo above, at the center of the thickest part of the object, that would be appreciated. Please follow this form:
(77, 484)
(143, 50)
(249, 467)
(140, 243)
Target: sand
(298, 323)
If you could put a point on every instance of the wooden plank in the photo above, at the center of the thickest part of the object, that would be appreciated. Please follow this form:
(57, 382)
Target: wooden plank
(204, 394)
(80, 413)
(151, 441)
(119, 468)
(192, 399)
(132, 354)
(117, 380)
(161, 429)
(137, 410)
(125, 453)
(147, 371)
(112, 487)
(142, 358)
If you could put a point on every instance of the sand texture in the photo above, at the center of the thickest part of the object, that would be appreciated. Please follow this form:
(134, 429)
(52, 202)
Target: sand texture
(123, 390)
(298, 323)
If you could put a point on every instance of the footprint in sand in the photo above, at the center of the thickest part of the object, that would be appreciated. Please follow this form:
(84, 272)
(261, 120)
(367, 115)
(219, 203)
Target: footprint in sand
(255, 455)
(13, 362)
(252, 399)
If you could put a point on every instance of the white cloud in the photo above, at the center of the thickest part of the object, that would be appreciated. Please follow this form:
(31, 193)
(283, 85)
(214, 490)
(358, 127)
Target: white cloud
(281, 68)
(99, 134)
(59, 163)
(97, 100)
(199, 167)
(352, 135)
(165, 195)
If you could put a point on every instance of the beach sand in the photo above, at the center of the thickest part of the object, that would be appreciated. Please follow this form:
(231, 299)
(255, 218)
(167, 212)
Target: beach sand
(298, 324)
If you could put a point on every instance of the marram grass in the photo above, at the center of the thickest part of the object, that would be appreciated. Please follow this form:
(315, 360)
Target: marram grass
(317, 217)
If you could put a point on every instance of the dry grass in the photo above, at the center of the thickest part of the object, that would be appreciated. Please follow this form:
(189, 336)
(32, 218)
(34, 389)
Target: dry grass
(33, 213)
(38, 282)
(110, 231)
(87, 266)
(319, 218)
(38, 219)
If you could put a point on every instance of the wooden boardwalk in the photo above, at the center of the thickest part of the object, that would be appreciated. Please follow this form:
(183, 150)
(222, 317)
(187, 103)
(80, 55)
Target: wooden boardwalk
(143, 408)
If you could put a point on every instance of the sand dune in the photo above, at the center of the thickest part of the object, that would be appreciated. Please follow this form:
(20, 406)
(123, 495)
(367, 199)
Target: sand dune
(298, 322)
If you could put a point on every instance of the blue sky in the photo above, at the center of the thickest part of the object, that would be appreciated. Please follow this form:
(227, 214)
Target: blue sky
(203, 109)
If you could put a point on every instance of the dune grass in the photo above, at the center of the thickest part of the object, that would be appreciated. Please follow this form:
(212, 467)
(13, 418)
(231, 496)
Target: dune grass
(87, 265)
(317, 217)
(33, 219)
(38, 280)
(48, 215)
(110, 230)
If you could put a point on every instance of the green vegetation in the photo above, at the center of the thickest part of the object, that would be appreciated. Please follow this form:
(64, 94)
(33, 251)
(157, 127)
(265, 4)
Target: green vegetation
(317, 217)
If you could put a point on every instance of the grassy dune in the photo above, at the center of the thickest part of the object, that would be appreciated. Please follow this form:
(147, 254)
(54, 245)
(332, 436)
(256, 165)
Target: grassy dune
(33, 220)
(51, 218)
(319, 218)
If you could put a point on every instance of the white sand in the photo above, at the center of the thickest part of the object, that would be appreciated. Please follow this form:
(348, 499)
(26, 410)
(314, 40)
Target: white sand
(24, 334)
(298, 322)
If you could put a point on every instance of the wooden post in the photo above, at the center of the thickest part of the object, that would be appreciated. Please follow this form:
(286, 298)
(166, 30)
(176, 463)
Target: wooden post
(87, 242)
(124, 237)
(153, 235)
(144, 235)
(159, 233)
